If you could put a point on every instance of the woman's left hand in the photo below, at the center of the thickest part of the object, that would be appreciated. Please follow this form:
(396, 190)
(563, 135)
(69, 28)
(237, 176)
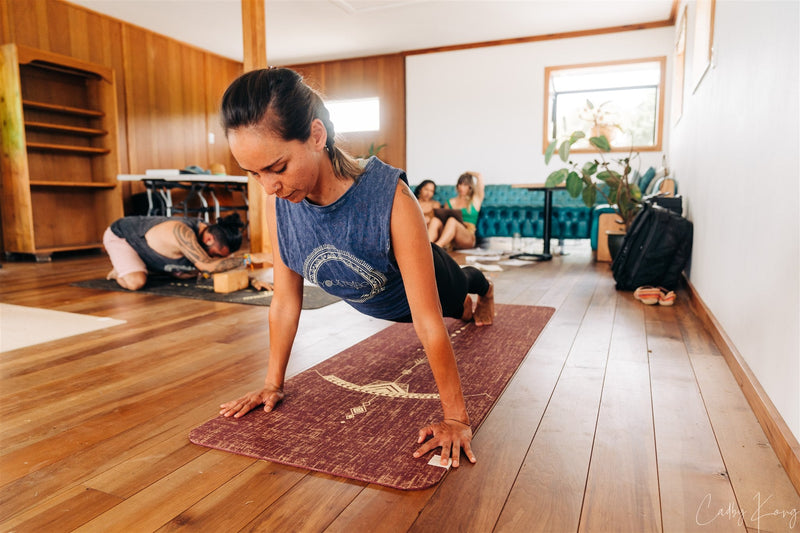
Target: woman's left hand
(452, 436)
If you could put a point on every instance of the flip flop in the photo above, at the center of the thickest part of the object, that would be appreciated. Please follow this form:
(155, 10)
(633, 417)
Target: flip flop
(666, 297)
(648, 295)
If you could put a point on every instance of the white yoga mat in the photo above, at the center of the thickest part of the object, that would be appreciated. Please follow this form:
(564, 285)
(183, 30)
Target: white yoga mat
(25, 326)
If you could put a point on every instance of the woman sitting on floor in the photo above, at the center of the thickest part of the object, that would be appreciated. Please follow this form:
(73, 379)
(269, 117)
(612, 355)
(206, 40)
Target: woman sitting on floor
(424, 193)
(453, 234)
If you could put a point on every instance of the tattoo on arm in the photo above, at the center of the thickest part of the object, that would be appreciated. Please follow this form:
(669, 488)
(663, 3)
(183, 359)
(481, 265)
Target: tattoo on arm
(227, 263)
(187, 242)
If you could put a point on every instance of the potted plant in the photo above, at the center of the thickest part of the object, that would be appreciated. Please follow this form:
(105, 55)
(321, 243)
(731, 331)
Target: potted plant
(373, 150)
(611, 180)
(601, 120)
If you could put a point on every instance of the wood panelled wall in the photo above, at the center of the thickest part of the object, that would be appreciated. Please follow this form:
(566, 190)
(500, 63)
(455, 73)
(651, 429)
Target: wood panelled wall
(381, 76)
(168, 92)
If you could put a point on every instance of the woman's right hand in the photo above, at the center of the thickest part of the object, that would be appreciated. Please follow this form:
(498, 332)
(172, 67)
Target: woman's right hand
(269, 396)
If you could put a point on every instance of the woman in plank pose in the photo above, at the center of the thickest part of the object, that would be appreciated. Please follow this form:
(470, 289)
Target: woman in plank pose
(354, 228)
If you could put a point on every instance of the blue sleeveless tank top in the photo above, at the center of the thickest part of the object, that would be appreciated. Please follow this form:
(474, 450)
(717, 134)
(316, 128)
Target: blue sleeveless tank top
(345, 247)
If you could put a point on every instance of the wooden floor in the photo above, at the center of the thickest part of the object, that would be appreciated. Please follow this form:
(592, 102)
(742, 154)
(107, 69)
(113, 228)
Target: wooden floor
(622, 418)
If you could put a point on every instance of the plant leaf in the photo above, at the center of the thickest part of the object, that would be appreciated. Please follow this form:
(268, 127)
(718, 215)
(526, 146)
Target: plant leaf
(576, 136)
(556, 178)
(574, 184)
(589, 168)
(548, 154)
(590, 195)
(601, 143)
(612, 178)
(563, 150)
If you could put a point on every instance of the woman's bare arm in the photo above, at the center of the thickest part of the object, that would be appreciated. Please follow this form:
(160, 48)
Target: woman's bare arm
(413, 253)
(480, 190)
(284, 316)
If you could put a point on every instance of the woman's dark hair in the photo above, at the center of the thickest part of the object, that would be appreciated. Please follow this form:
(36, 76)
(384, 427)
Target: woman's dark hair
(280, 100)
(418, 188)
(228, 231)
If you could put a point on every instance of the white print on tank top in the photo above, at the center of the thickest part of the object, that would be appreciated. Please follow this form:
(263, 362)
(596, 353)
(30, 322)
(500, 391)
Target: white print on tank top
(373, 282)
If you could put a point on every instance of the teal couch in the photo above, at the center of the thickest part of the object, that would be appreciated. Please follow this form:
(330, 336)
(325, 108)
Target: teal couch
(507, 210)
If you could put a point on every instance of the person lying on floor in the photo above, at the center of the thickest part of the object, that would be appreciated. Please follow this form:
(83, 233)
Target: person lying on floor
(182, 247)
(353, 228)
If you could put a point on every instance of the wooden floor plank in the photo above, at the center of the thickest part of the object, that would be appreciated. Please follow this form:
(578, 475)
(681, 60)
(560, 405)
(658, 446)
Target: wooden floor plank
(98, 425)
(622, 486)
(225, 509)
(312, 504)
(129, 430)
(691, 471)
(381, 510)
(70, 510)
(472, 498)
(764, 493)
(548, 492)
(171, 495)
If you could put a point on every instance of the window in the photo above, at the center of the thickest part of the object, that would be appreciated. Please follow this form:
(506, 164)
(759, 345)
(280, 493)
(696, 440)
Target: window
(622, 100)
(358, 114)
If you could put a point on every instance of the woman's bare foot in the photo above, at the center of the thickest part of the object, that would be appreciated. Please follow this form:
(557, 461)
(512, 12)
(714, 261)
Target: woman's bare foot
(112, 274)
(467, 316)
(484, 311)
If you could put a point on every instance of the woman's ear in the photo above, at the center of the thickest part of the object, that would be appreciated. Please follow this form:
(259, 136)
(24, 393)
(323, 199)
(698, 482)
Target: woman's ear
(319, 135)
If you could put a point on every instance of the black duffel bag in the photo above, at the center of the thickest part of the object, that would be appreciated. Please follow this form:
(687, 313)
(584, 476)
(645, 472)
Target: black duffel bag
(655, 250)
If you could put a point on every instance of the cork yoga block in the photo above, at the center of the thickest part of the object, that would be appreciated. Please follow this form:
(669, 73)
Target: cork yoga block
(231, 281)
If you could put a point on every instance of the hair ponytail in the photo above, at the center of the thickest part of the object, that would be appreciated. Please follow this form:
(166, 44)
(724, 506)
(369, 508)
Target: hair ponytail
(279, 99)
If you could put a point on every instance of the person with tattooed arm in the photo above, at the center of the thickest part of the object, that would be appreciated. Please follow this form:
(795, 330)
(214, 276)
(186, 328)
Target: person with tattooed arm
(182, 247)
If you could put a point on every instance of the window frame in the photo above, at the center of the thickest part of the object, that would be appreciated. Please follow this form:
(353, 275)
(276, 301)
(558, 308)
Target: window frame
(659, 130)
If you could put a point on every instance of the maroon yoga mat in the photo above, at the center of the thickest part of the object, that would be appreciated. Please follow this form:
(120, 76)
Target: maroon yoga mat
(357, 414)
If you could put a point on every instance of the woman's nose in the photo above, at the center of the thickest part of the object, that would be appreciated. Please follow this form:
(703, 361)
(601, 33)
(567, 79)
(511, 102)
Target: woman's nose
(270, 187)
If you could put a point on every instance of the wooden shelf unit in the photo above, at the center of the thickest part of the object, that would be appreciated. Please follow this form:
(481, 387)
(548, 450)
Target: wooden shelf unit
(59, 152)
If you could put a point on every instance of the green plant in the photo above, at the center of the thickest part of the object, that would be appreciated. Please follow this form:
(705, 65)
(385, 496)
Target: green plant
(601, 119)
(373, 150)
(611, 179)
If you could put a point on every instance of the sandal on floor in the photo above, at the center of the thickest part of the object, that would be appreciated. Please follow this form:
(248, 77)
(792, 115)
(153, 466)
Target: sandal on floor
(666, 297)
(648, 295)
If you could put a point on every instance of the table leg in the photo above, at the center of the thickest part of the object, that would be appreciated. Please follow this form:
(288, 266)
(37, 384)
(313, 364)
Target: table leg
(548, 214)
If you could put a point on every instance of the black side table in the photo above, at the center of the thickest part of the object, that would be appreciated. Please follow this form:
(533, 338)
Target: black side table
(548, 213)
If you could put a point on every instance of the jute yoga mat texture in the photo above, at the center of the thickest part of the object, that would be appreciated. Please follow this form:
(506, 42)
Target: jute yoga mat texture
(356, 415)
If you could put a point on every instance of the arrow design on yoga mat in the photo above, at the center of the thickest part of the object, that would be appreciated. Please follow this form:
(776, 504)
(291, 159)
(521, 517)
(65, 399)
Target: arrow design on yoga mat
(388, 389)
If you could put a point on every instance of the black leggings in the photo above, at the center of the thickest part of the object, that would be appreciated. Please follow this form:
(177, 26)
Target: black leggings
(454, 283)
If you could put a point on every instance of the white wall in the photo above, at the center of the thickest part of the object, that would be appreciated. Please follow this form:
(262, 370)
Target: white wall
(735, 155)
(482, 109)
